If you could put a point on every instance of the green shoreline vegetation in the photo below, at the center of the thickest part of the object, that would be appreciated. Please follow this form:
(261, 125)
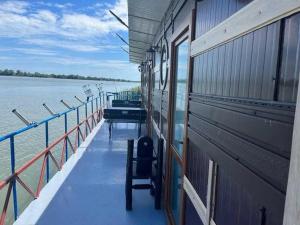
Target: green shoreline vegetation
(18, 73)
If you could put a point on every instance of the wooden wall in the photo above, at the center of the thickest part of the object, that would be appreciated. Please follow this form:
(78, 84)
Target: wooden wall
(241, 112)
(241, 116)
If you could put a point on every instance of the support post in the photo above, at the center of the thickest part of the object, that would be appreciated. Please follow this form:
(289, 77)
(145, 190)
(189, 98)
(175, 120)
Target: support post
(158, 188)
(66, 131)
(77, 115)
(47, 144)
(97, 107)
(86, 128)
(292, 201)
(128, 185)
(13, 165)
(92, 108)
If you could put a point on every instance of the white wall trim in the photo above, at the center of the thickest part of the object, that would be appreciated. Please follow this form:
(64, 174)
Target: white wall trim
(195, 199)
(158, 132)
(255, 15)
(36, 208)
(292, 201)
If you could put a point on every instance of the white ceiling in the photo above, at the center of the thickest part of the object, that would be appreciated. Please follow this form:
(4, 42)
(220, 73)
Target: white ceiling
(144, 17)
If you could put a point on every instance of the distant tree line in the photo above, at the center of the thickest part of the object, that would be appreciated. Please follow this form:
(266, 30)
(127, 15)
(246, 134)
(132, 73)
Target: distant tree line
(19, 73)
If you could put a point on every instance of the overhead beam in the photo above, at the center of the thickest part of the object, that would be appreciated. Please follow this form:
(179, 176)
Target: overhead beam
(133, 40)
(118, 18)
(122, 39)
(144, 18)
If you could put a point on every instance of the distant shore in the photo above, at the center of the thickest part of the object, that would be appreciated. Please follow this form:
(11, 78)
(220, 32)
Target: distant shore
(19, 73)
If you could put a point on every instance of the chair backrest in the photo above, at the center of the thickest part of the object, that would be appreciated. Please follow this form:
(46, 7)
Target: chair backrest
(144, 155)
(126, 103)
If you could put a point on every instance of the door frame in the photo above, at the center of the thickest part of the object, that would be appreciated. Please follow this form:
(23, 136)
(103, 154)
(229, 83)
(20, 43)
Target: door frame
(186, 30)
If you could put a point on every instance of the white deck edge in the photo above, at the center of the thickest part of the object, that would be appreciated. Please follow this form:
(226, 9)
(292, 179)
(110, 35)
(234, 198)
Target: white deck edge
(36, 208)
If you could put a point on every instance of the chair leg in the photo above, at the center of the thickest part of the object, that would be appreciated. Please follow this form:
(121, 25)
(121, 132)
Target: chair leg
(158, 178)
(128, 190)
(152, 190)
(110, 129)
(128, 185)
(157, 197)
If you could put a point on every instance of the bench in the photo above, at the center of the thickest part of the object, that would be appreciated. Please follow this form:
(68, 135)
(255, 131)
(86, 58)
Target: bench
(125, 115)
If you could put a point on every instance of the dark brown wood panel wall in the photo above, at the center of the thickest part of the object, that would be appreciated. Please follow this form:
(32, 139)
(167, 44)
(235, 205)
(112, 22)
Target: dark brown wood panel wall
(164, 113)
(178, 11)
(156, 101)
(290, 66)
(243, 68)
(212, 12)
(241, 113)
(191, 214)
(198, 163)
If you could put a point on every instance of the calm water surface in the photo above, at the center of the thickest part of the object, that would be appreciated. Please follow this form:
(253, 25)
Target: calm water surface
(27, 95)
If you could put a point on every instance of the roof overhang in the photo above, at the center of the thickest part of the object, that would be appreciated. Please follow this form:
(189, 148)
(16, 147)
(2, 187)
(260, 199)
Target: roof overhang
(144, 18)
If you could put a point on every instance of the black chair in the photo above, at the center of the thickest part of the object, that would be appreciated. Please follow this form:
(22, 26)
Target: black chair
(146, 165)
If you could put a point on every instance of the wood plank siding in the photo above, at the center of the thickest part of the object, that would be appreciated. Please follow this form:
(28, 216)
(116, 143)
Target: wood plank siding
(241, 107)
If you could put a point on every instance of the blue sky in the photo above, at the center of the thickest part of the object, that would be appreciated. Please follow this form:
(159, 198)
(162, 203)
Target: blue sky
(65, 37)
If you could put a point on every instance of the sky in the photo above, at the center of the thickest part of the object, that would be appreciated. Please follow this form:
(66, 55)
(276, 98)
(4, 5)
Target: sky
(65, 37)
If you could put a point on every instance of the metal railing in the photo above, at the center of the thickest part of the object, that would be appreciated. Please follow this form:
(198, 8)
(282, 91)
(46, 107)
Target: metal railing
(122, 95)
(128, 95)
(81, 131)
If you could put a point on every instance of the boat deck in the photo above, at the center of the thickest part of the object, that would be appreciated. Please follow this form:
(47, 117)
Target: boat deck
(94, 192)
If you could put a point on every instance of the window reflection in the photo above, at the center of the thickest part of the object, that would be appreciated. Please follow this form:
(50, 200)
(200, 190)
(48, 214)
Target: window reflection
(179, 96)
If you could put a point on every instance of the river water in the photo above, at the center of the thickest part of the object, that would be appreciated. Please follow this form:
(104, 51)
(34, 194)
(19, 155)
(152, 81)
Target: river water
(27, 95)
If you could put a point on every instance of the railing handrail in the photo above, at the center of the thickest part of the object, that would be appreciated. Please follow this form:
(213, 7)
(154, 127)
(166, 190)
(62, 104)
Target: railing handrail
(46, 153)
(36, 124)
(5, 181)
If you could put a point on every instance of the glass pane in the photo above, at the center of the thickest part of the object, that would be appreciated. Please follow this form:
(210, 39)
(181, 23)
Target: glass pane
(176, 190)
(179, 97)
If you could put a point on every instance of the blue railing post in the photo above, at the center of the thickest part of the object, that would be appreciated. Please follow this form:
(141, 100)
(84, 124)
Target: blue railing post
(92, 104)
(13, 165)
(47, 144)
(97, 107)
(100, 99)
(78, 138)
(86, 129)
(103, 99)
(66, 131)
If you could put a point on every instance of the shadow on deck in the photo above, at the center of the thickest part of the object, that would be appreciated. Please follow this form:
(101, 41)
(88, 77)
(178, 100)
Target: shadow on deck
(94, 192)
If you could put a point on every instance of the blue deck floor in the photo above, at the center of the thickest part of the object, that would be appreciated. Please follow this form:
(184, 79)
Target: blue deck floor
(94, 193)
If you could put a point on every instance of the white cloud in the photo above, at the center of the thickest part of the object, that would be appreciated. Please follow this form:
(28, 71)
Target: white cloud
(30, 51)
(18, 26)
(46, 16)
(15, 23)
(33, 51)
(5, 58)
(70, 45)
(63, 6)
(41, 29)
(18, 7)
(120, 9)
(57, 5)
